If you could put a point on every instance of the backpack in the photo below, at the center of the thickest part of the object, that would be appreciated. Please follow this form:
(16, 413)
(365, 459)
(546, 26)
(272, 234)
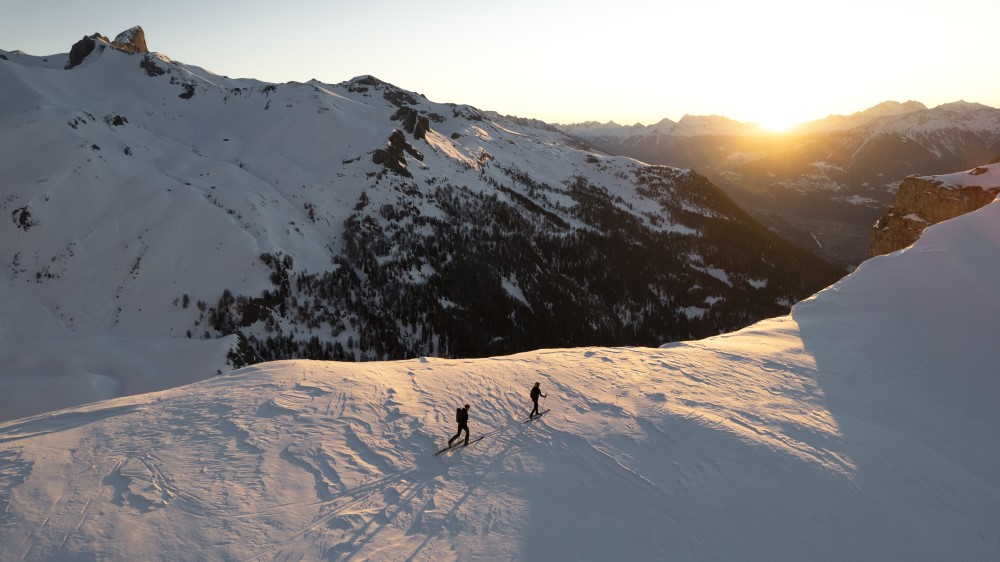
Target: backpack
(458, 415)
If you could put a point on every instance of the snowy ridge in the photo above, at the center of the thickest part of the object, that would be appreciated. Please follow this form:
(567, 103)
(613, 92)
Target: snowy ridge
(885, 109)
(972, 117)
(861, 426)
(981, 176)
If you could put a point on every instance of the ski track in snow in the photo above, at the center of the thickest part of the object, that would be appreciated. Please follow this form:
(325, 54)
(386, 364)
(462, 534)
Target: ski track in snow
(333, 461)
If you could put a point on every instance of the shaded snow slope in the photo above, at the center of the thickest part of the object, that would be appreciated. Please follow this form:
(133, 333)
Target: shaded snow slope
(862, 426)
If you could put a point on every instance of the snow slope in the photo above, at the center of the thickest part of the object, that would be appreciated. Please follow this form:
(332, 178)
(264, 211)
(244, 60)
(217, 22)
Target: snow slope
(862, 426)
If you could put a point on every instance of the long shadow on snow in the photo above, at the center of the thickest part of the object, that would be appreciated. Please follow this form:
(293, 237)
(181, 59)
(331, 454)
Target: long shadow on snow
(56, 422)
(688, 491)
(926, 477)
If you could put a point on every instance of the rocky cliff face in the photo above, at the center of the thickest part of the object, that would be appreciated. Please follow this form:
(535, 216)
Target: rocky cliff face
(925, 200)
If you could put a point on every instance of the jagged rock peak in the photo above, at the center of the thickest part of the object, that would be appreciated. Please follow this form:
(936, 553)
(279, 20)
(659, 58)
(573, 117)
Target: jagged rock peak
(131, 41)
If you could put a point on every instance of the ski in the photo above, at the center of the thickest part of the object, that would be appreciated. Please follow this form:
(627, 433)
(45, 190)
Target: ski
(536, 417)
(458, 445)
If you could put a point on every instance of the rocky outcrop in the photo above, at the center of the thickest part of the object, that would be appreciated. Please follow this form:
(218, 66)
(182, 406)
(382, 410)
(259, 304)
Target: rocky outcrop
(420, 130)
(392, 156)
(82, 48)
(414, 123)
(149, 65)
(131, 41)
(925, 200)
(392, 94)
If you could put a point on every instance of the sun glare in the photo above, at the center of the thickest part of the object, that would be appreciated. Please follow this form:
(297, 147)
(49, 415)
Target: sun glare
(778, 123)
(778, 116)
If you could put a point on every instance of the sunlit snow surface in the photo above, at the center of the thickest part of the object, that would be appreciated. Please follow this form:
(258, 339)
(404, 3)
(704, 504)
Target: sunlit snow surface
(863, 426)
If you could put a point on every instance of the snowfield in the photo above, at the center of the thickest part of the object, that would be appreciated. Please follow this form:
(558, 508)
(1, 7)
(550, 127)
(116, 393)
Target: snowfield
(864, 425)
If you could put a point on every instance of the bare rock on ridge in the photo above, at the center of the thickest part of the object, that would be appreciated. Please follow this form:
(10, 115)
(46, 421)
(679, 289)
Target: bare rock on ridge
(131, 41)
(412, 121)
(392, 156)
(82, 48)
(926, 200)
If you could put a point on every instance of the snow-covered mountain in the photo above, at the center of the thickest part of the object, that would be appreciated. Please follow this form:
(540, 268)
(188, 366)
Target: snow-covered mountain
(833, 123)
(823, 183)
(688, 126)
(166, 223)
(863, 426)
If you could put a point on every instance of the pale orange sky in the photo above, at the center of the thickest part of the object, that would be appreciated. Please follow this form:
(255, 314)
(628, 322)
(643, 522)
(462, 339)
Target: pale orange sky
(770, 62)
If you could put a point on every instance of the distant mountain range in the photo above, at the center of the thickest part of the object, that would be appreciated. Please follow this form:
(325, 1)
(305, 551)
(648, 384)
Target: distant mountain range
(166, 223)
(823, 183)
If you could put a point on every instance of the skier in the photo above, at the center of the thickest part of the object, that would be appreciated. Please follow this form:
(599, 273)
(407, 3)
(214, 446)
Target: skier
(462, 417)
(536, 391)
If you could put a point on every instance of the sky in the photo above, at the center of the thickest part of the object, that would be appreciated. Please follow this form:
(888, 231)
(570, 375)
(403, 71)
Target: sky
(773, 62)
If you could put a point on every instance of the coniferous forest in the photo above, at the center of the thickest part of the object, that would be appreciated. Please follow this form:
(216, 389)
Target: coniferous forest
(452, 271)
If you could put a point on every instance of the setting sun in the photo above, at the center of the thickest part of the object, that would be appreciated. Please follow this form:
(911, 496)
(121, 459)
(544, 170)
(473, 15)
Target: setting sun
(779, 114)
(778, 123)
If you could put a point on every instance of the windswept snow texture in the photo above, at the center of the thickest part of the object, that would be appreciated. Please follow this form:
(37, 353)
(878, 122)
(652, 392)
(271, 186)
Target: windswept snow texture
(862, 426)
